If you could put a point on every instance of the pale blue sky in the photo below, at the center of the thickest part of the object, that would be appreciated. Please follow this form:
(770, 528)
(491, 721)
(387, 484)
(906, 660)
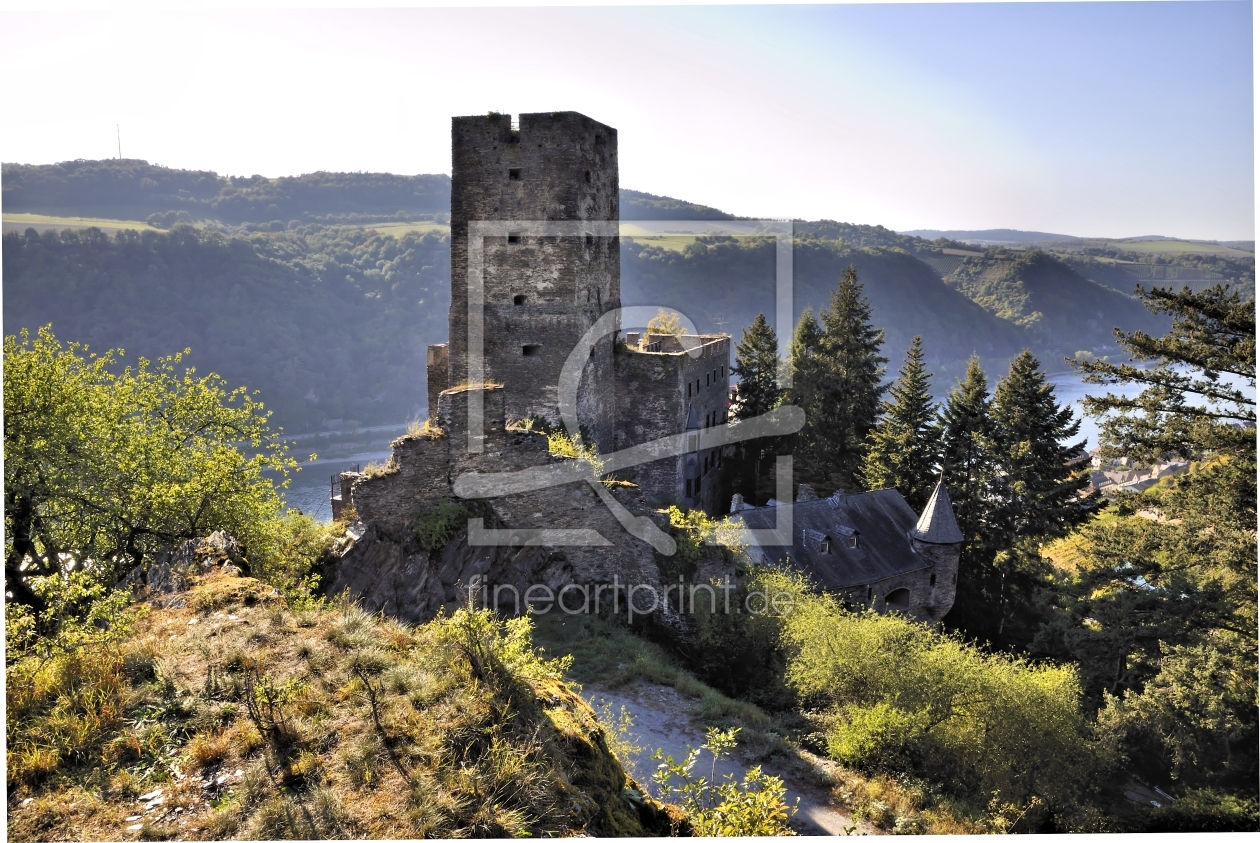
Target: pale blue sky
(1111, 119)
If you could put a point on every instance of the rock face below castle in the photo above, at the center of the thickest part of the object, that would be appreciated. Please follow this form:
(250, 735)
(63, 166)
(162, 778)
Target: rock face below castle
(389, 569)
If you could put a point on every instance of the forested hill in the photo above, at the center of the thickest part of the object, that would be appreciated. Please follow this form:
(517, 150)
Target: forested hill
(330, 320)
(326, 325)
(724, 282)
(134, 189)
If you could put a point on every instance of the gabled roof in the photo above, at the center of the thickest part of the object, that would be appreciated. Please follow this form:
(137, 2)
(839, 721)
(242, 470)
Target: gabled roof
(881, 522)
(937, 524)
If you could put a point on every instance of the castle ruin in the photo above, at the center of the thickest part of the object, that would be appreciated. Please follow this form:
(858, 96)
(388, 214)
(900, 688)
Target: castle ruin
(535, 335)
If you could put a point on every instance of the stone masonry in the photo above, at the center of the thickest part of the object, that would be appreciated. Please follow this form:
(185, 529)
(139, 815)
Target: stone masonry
(541, 293)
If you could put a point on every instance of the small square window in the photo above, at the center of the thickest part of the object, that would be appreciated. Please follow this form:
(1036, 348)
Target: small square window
(514, 173)
(519, 299)
(514, 237)
(531, 351)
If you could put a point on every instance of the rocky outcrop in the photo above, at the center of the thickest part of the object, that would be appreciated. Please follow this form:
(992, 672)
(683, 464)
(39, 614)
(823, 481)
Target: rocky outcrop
(388, 568)
(171, 571)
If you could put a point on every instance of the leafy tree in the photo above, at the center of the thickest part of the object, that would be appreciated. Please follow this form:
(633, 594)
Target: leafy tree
(899, 697)
(904, 448)
(840, 373)
(666, 322)
(757, 365)
(725, 807)
(102, 468)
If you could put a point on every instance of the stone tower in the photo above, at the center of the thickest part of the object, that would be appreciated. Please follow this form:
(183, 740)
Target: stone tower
(542, 290)
(937, 539)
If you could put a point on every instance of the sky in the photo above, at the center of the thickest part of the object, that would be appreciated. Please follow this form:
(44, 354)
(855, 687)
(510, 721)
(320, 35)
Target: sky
(1090, 119)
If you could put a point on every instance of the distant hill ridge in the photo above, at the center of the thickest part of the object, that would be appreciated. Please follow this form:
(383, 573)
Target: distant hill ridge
(992, 235)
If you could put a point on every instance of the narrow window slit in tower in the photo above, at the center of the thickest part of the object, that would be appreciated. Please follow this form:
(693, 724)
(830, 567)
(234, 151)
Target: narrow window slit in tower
(588, 176)
(514, 173)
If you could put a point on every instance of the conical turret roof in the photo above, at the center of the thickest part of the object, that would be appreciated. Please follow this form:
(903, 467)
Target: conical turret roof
(937, 524)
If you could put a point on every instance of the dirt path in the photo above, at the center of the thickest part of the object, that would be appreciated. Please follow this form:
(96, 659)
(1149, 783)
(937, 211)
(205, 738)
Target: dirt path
(662, 718)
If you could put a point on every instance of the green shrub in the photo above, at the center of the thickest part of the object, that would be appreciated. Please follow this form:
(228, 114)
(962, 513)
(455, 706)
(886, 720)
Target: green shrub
(435, 527)
(901, 696)
(1206, 810)
(754, 807)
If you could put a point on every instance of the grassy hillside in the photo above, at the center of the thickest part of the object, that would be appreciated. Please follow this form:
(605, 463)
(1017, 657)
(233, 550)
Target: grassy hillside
(232, 715)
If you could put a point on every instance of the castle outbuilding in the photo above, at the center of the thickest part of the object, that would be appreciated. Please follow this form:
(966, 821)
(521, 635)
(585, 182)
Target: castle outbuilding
(870, 549)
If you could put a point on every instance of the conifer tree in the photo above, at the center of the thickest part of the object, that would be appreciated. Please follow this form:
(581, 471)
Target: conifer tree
(841, 374)
(904, 448)
(968, 459)
(757, 365)
(805, 363)
(1032, 498)
(1042, 474)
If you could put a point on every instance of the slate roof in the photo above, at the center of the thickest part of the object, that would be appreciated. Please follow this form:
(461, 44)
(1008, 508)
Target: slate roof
(937, 524)
(881, 521)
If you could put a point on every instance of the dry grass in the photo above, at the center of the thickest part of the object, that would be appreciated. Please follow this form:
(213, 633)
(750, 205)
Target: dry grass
(380, 469)
(348, 725)
(464, 386)
(427, 429)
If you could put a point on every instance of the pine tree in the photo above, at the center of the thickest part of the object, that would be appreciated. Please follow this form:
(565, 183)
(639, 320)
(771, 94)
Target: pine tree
(968, 459)
(843, 385)
(805, 364)
(1042, 476)
(904, 448)
(1034, 499)
(757, 365)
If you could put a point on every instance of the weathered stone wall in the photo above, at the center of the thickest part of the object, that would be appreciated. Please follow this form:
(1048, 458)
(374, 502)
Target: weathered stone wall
(656, 394)
(438, 373)
(541, 293)
(942, 588)
(917, 582)
(417, 478)
(388, 570)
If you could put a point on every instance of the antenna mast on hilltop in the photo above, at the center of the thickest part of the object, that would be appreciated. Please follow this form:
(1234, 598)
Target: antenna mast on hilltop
(119, 131)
